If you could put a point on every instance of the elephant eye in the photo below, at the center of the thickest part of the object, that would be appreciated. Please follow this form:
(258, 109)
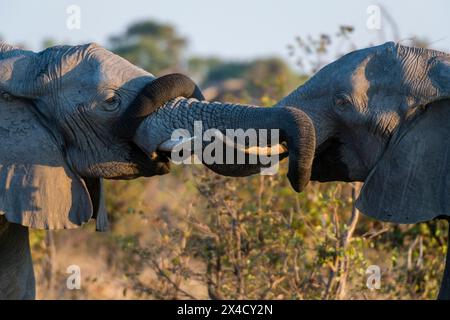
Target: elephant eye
(112, 103)
(342, 101)
(111, 100)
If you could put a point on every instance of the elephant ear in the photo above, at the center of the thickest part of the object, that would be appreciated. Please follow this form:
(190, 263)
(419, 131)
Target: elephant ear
(411, 182)
(37, 187)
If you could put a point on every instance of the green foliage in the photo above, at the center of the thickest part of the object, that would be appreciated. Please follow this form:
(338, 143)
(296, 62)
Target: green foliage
(261, 78)
(154, 46)
(271, 77)
(226, 70)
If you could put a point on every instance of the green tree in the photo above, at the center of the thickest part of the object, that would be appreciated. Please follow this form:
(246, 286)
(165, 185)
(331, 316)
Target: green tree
(153, 46)
(200, 66)
(226, 70)
(271, 77)
(48, 42)
(258, 79)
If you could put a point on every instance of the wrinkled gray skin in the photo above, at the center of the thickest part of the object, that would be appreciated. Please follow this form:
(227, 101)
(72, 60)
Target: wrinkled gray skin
(382, 116)
(60, 110)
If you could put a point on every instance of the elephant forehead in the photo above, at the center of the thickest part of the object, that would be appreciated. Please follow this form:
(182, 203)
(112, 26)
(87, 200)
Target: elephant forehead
(115, 71)
(123, 76)
(93, 66)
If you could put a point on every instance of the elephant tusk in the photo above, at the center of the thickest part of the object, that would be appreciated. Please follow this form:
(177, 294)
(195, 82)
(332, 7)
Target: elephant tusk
(255, 150)
(277, 149)
(170, 144)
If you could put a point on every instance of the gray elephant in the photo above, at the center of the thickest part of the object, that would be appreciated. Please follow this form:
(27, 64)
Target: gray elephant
(72, 115)
(382, 116)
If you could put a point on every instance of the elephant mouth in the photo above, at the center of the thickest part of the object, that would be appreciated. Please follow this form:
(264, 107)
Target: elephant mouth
(159, 163)
(327, 164)
(154, 163)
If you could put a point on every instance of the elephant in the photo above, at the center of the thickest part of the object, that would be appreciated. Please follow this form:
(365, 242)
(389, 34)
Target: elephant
(71, 116)
(381, 116)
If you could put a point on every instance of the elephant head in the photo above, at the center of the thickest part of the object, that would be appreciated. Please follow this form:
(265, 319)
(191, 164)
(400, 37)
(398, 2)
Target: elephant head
(382, 116)
(59, 114)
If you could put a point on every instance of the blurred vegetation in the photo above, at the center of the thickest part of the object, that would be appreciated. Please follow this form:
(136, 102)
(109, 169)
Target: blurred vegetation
(193, 234)
(153, 46)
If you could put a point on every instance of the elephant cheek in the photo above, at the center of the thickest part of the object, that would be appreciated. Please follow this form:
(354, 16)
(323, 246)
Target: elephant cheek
(324, 171)
(328, 165)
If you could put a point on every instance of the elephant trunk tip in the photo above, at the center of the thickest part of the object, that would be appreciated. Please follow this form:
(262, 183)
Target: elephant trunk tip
(301, 138)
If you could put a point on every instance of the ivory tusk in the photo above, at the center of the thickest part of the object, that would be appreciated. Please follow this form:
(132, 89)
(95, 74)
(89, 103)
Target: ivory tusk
(170, 144)
(277, 149)
(256, 150)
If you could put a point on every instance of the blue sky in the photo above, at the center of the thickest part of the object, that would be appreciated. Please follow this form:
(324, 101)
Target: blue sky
(233, 28)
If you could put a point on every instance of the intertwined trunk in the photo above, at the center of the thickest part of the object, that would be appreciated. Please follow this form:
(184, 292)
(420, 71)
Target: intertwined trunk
(295, 130)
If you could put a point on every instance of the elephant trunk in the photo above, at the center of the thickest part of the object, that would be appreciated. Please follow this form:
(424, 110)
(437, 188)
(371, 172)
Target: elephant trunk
(295, 128)
(299, 132)
(154, 95)
(296, 132)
